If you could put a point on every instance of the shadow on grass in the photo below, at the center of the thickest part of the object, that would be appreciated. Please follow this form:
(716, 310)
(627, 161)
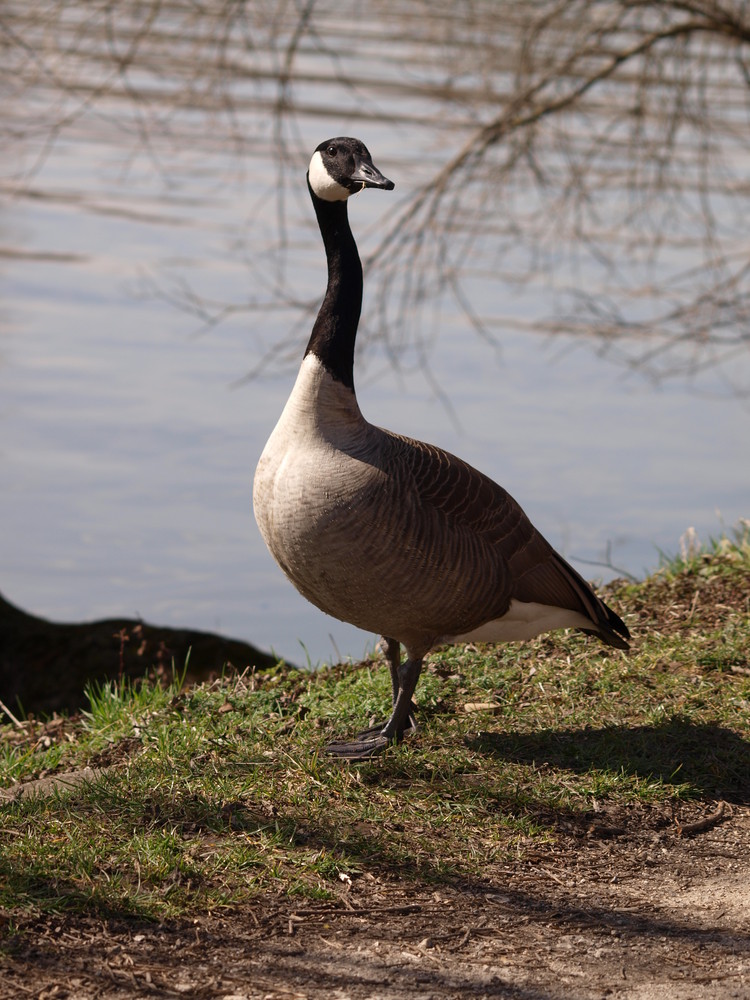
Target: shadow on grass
(710, 760)
(35, 891)
(156, 873)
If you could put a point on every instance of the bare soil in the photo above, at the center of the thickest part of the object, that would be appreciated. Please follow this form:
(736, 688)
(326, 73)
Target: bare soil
(641, 904)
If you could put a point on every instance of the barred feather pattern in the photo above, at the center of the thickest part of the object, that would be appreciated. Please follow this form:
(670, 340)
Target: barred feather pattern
(404, 539)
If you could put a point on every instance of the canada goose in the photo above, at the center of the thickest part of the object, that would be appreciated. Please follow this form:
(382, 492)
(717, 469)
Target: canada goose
(393, 535)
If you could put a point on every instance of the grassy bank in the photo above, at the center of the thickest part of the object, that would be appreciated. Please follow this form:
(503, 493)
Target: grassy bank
(198, 800)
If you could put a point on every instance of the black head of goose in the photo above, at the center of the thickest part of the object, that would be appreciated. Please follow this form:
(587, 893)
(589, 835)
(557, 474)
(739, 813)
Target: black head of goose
(397, 536)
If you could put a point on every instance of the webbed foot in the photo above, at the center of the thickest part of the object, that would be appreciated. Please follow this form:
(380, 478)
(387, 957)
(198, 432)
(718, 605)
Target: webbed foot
(370, 742)
(376, 739)
(373, 740)
(360, 748)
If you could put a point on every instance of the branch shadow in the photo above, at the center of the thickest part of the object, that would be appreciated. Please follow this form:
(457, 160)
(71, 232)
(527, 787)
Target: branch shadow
(713, 761)
(710, 760)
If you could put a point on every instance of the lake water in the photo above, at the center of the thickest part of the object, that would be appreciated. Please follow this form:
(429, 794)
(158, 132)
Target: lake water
(128, 430)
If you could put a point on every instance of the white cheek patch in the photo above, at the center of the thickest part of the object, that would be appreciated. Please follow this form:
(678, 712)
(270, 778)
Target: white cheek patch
(321, 182)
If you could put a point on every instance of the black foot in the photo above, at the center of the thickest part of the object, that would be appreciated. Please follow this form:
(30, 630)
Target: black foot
(375, 730)
(359, 748)
(369, 743)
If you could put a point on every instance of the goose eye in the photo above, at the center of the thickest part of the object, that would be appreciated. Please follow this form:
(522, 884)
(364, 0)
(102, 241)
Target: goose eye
(331, 151)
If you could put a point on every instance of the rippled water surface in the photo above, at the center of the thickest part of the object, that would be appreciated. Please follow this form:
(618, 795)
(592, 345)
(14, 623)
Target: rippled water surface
(155, 248)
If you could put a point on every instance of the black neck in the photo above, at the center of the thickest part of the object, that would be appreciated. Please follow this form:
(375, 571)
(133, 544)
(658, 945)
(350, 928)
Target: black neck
(335, 329)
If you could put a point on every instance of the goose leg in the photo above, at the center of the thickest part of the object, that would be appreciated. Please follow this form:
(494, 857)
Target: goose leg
(401, 717)
(392, 650)
(376, 738)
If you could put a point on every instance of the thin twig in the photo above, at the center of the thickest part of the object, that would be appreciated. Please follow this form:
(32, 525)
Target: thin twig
(701, 825)
(11, 716)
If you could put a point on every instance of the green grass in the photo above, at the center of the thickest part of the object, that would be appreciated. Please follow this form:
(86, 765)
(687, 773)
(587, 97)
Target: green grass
(201, 799)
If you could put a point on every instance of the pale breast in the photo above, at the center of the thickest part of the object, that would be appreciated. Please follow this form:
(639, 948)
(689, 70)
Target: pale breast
(338, 504)
(313, 495)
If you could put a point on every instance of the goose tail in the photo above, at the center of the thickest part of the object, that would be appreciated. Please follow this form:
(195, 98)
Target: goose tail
(606, 624)
(612, 631)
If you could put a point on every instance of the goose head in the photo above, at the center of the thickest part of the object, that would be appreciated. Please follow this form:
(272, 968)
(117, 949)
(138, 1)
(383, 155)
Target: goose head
(341, 167)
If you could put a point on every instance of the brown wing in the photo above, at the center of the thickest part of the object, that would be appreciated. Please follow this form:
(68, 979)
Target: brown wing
(498, 544)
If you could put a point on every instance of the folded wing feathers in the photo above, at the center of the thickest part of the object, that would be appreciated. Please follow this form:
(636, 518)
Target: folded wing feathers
(534, 572)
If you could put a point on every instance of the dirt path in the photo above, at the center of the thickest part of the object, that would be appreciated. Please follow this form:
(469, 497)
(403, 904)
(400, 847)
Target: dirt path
(658, 916)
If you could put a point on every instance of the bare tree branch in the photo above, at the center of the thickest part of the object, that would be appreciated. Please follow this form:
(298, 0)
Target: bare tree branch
(591, 148)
